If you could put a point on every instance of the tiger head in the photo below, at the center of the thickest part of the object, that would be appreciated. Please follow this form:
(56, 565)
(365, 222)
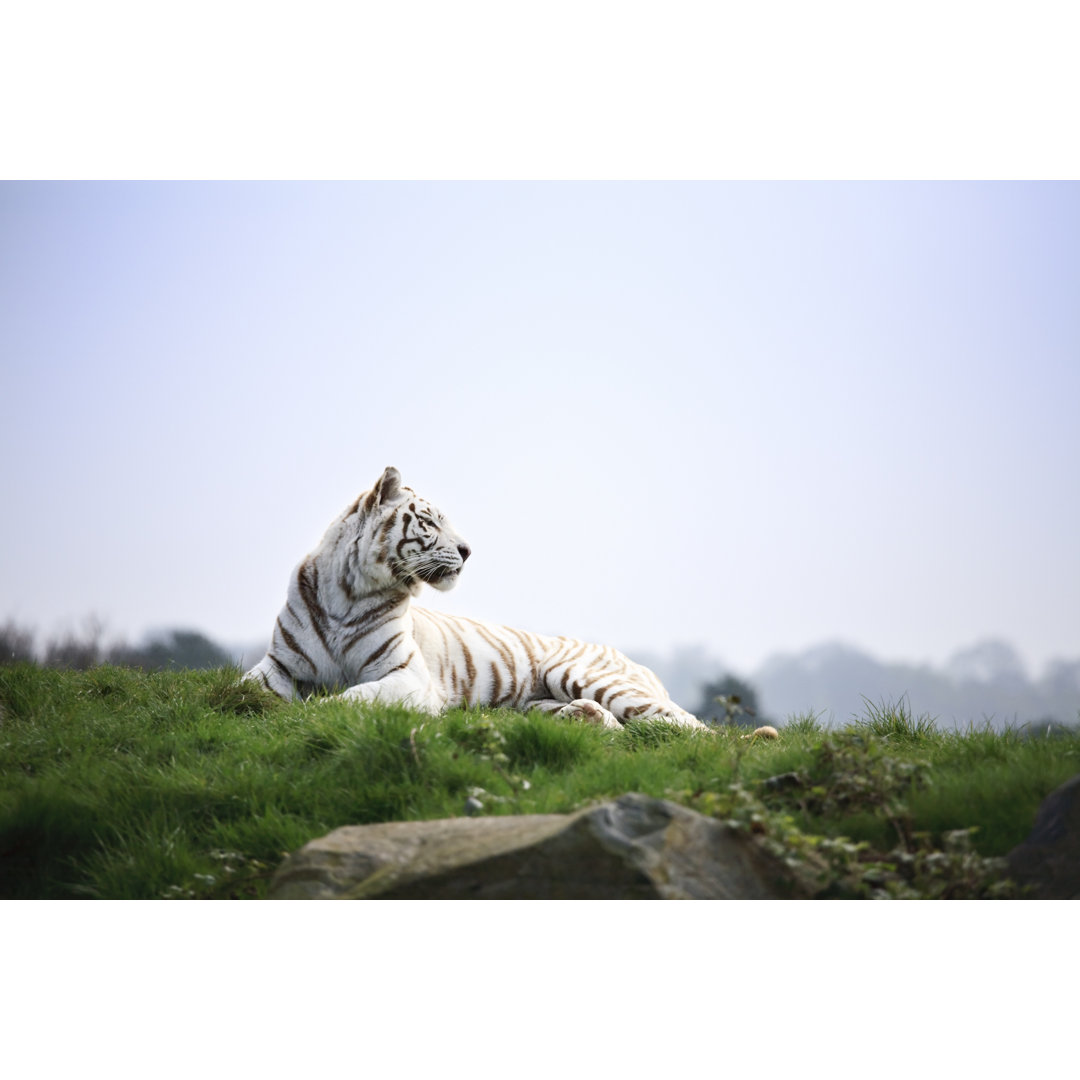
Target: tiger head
(401, 540)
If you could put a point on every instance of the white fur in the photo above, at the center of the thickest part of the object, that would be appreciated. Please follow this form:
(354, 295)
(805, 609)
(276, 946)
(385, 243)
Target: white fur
(349, 624)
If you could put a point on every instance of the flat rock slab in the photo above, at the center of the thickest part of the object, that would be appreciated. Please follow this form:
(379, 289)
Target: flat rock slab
(634, 847)
(1048, 860)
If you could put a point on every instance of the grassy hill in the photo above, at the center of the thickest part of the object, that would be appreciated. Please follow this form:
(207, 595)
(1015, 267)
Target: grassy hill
(115, 783)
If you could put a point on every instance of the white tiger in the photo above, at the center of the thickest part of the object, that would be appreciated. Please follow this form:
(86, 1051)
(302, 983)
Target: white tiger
(349, 622)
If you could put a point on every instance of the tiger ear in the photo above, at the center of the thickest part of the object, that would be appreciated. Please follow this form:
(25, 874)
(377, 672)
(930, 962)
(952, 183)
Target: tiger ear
(386, 488)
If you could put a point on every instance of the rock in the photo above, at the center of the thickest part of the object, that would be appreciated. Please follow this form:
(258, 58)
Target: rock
(635, 847)
(782, 781)
(1048, 860)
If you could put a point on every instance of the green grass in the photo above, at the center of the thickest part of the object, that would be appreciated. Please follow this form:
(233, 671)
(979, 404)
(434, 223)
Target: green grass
(120, 784)
(894, 721)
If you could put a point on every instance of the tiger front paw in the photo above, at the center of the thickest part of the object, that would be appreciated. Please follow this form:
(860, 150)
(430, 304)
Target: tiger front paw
(590, 712)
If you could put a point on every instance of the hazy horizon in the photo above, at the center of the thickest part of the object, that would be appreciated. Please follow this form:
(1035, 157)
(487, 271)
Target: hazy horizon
(756, 416)
(984, 683)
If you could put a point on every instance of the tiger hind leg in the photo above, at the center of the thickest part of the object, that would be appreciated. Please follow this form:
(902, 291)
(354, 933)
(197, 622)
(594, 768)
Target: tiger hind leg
(579, 709)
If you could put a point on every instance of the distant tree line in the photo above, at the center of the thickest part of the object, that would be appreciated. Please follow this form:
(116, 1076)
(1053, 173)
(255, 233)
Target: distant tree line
(87, 649)
(982, 684)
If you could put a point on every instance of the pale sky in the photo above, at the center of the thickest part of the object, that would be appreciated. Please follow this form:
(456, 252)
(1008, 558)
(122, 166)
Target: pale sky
(751, 416)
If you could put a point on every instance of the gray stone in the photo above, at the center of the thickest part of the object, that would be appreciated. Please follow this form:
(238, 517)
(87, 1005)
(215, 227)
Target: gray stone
(635, 847)
(1048, 860)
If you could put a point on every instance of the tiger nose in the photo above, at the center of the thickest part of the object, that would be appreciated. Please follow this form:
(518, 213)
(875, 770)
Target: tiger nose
(464, 551)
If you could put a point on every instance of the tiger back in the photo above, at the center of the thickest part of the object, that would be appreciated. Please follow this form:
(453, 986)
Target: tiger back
(349, 625)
